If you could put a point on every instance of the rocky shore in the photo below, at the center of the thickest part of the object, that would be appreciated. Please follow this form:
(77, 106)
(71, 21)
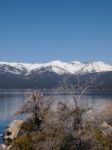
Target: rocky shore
(10, 134)
(13, 130)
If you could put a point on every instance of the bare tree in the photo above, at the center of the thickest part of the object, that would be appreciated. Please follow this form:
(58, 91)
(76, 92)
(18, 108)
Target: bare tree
(72, 119)
(35, 108)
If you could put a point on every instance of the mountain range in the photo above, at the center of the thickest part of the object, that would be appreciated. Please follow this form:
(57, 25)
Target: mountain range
(49, 75)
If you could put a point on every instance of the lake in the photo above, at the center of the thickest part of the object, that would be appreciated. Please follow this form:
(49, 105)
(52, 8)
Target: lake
(11, 101)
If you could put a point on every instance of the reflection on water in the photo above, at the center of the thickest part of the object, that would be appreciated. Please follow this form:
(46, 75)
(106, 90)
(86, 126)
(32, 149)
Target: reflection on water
(10, 101)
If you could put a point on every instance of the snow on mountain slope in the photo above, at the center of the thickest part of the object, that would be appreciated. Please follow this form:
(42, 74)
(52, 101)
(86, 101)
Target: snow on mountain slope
(57, 66)
(71, 68)
(96, 67)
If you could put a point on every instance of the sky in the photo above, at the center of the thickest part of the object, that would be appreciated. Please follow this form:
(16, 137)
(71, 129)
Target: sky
(44, 30)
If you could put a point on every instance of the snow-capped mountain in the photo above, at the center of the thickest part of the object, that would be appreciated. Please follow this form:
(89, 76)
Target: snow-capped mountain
(57, 66)
(96, 67)
(51, 74)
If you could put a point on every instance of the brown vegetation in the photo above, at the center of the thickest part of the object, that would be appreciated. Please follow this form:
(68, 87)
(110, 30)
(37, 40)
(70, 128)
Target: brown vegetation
(60, 129)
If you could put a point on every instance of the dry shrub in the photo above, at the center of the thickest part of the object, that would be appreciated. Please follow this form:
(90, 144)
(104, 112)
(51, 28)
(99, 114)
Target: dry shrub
(63, 129)
(44, 140)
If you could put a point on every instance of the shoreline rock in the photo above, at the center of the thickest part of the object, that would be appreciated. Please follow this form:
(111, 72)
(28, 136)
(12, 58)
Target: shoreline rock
(11, 133)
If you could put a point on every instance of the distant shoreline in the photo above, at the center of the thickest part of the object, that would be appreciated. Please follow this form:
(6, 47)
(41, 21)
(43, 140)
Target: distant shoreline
(57, 91)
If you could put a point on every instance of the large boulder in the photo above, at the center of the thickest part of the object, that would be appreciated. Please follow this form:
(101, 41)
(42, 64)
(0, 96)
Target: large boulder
(12, 131)
(106, 128)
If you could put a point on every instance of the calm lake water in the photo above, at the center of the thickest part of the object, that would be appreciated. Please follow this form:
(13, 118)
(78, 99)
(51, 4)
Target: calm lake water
(11, 101)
